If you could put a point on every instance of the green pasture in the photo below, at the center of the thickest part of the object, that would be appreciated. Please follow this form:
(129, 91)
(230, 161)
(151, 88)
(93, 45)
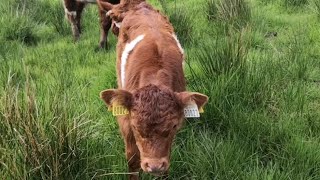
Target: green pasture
(257, 60)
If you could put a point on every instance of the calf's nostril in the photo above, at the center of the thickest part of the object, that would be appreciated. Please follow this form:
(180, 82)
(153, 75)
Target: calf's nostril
(155, 166)
(162, 166)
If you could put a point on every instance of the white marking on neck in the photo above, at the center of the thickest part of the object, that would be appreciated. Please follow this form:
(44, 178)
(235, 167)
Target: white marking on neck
(178, 43)
(128, 48)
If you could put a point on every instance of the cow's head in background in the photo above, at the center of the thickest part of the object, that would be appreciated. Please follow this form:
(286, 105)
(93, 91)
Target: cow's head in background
(156, 114)
(117, 12)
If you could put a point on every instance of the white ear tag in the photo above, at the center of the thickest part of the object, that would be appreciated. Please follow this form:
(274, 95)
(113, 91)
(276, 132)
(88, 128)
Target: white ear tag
(191, 111)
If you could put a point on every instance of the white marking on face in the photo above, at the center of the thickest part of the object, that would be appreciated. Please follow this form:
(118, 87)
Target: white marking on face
(178, 43)
(118, 24)
(128, 48)
(109, 13)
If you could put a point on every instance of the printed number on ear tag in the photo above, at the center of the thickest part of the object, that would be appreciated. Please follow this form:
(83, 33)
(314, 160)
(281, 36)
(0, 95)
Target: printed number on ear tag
(118, 110)
(191, 111)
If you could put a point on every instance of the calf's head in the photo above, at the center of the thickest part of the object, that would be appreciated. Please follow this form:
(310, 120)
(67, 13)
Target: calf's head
(155, 115)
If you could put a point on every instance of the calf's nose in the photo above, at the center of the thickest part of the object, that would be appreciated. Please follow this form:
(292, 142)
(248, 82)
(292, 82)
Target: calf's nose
(155, 166)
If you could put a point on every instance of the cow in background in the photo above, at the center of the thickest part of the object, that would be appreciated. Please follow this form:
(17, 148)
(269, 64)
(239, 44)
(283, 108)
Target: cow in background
(73, 10)
(151, 86)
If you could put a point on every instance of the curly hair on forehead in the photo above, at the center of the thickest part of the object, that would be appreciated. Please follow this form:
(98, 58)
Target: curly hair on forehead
(156, 104)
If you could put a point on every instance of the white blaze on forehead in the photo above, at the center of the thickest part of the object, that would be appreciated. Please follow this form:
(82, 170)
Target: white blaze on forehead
(128, 48)
(178, 43)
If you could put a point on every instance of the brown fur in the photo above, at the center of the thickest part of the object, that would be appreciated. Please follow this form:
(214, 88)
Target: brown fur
(154, 90)
(75, 21)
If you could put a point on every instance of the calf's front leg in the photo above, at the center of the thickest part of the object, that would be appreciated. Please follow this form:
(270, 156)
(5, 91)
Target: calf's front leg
(132, 151)
(133, 158)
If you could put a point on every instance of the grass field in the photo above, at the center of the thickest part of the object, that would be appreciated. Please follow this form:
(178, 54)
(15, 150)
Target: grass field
(257, 60)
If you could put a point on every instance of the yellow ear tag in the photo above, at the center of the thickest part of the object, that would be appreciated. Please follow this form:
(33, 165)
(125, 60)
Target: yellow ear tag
(119, 110)
(201, 110)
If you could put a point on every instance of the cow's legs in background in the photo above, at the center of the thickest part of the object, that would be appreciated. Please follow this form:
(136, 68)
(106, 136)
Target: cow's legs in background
(105, 24)
(80, 7)
(132, 151)
(73, 12)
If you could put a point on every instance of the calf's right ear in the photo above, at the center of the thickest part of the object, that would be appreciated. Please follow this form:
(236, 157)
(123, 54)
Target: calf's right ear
(187, 97)
(120, 97)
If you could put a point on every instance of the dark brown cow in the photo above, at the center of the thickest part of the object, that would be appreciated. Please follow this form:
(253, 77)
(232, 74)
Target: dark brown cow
(151, 86)
(73, 10)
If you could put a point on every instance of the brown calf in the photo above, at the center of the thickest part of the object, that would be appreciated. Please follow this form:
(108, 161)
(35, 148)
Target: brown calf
(73, 10)
(151, 86)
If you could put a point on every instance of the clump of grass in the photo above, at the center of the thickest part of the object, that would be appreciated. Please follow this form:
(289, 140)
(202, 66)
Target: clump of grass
(316, 6)
(296, 56)
(182, 25)
(18, 27)
(212, 9)
(50, 13)
(294, 3)
(42, 136)
(57, 19)
(181, 22)
(223, 61)
(214, 157)
(232, 12)
(225, 55)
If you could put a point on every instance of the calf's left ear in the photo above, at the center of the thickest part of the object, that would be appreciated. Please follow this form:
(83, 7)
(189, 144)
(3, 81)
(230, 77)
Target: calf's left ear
(189, 97)
(120, 97)
(105, 5)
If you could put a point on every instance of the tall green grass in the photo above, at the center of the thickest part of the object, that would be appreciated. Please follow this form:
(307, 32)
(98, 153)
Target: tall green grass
(294, 3)
(181, 22)
(234, 13)
(15, 26)
(261, 121)
(316, 5)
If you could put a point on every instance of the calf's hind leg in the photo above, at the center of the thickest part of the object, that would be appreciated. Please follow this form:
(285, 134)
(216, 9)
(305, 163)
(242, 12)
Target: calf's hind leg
(80, 7)
(105, 24)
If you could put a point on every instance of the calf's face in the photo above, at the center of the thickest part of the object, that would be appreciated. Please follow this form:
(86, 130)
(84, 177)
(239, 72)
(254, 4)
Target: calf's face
(156, 114)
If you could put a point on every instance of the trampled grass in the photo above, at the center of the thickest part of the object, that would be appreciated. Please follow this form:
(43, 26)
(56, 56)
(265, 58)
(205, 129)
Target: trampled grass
(260, 68)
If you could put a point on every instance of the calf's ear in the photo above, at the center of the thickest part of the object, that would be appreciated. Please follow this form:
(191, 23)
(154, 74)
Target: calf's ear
(121, 97)
(188, 97)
